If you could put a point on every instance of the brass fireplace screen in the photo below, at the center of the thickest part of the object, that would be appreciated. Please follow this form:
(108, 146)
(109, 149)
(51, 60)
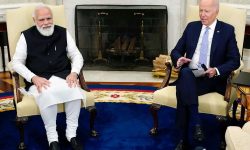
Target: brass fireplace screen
(112, 37)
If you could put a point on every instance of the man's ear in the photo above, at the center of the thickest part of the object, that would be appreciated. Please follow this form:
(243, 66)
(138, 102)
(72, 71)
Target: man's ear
(34, 19)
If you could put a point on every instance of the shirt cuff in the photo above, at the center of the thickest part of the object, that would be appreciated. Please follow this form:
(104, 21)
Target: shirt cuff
(30, 76)
(75, 70)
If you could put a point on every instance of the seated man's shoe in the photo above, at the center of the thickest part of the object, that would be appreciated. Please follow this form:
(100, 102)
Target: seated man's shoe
(198, 133)
(54, 146)
(76, 145)
(182, 145)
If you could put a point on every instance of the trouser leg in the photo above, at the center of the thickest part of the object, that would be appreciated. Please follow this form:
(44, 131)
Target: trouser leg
(194, 114)
(72, 110)
(186, 93)
(182, 122)
(186, 88)
(49, 115)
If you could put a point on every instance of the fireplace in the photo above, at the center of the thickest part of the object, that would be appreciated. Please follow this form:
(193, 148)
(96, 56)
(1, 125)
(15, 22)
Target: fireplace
(113, 37)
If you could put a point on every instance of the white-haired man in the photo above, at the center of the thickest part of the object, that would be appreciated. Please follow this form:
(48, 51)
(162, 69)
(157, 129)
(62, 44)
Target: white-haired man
(209, 47)
(47, 57)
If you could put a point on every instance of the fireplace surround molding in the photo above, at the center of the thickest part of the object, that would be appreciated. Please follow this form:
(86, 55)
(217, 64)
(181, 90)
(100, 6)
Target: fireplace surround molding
(118, 37)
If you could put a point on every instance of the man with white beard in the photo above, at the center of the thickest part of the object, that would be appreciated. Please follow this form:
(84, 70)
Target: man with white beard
(47, 57)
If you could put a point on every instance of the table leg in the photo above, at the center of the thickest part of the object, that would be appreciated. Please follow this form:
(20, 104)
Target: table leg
(3, 58)
(242, 113)
(235, 105)
(248, 107)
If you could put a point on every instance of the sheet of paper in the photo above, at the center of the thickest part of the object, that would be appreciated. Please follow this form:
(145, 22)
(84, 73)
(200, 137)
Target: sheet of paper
(198, 72)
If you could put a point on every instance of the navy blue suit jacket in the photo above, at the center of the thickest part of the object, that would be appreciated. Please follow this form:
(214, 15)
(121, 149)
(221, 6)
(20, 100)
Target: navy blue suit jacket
(224, 51)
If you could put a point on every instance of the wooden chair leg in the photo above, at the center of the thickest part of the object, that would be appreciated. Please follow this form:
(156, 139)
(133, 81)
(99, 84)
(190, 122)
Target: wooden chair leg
(242, 114)
(154, 111)
(235, 105)
(93, 113)
(20, 121)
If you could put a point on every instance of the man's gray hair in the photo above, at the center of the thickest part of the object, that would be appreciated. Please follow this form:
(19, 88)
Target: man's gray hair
(216, 3)
(39, 7)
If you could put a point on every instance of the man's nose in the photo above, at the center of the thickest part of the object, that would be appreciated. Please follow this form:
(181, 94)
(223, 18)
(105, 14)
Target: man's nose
(202, 14)
(46, 21)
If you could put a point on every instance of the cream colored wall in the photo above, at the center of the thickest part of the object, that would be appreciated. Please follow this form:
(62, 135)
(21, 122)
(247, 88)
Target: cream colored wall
(17, 1)
(51, 2)
(225, 1)
(236, 1)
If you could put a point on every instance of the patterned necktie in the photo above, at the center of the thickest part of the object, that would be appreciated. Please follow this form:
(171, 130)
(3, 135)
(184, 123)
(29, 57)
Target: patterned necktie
(204, 48)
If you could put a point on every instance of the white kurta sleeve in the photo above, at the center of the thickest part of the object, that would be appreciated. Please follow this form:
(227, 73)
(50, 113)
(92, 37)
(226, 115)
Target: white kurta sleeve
(74, 55)
(19, 59)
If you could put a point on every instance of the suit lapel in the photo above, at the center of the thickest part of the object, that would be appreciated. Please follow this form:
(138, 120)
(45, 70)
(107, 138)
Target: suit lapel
(215, 40)
(196, 35)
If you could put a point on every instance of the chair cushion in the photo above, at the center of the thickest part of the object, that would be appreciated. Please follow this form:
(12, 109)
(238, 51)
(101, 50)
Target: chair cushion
(237, 139)
(211, 103)
(28, 106)
(246, 127)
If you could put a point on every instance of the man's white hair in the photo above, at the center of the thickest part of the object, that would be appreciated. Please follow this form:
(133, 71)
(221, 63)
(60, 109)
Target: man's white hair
(216, 3)
(40, 7)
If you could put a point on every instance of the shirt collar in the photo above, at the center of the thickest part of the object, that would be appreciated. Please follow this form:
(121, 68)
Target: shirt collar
(212, 26)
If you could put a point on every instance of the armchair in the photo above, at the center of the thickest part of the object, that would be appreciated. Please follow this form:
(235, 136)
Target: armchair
(17, 21)
(238, 138)
(211, 103)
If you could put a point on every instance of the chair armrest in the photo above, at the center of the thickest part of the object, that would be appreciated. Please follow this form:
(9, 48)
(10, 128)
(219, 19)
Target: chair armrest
(16, 83)
(229, 86)
(82, 81)
(246, 127)
(168, 75)
(237, 71)
(10, 67)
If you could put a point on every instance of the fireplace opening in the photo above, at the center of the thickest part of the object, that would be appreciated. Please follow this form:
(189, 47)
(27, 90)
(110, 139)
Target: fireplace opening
(112, 37)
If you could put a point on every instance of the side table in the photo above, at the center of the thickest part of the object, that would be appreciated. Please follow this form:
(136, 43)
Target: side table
(242, 83)
(4, 42)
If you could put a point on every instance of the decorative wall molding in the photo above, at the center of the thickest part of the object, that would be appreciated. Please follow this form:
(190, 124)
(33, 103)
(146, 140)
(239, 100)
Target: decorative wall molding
(242, 6)
(4, 7)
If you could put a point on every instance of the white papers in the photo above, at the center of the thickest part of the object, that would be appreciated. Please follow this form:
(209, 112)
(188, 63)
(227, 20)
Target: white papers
(198, 72)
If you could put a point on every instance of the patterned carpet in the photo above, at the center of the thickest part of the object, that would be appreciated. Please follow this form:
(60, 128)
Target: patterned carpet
(6, 92)
(103, 93)
(123, 93)
(6, 104)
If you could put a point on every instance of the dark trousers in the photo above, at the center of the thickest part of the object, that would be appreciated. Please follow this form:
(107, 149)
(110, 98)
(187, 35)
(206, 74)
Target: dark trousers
(188, 88)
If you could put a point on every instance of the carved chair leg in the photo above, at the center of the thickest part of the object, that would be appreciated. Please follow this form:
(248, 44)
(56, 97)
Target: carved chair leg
(235, 105)
(154, 111)
(93, 113)
(20, 121)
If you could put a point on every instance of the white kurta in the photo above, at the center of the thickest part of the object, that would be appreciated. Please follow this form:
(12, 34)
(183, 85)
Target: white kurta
(58, 92)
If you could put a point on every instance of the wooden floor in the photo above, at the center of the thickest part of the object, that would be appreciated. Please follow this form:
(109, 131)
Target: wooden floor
(5, 82)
